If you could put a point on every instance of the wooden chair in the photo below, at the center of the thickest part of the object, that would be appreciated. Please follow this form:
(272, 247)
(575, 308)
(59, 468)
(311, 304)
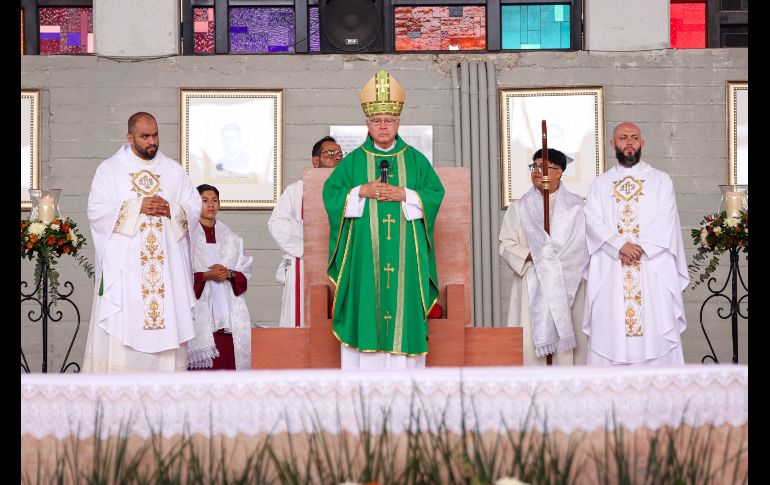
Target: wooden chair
(451, 341)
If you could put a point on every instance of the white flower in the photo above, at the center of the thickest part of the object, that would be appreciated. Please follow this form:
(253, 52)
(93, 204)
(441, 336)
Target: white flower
(731, 222)
(703, 235)
(717, 230)
(509, 481)
(36, 228)
(54, 227)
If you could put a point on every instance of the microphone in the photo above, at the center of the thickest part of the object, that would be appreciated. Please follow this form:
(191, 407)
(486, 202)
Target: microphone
(384, 166)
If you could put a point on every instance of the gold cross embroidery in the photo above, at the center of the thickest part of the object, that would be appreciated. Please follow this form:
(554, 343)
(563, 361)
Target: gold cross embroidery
(387, 319)
(388, 269)
(382, 88)
(388, 220)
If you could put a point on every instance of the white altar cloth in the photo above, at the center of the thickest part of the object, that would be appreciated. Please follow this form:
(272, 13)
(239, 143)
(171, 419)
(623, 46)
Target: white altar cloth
(255, 402)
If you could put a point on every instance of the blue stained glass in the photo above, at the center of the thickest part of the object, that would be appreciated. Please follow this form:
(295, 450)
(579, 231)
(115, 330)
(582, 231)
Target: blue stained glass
(49, 36)
(73, 39)
(565, 35)
(533, 17)
(535, 26)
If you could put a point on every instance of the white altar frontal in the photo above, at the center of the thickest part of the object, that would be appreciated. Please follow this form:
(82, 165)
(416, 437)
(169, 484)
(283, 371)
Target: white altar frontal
(247, 406)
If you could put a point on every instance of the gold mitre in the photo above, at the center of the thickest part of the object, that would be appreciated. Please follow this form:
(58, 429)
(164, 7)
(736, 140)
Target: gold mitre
(382, 95)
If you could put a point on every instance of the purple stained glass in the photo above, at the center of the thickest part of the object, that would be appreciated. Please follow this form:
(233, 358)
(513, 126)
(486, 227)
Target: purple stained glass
(66, 30)
(261, 29)
(315, 30)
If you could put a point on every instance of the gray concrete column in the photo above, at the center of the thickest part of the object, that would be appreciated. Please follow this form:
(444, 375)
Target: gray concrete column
(136, 28)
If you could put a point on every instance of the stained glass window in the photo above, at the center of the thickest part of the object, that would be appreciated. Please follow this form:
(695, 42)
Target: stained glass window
(66, 30)
(688, 25)
(429, 28)
(314, 28)
(261, 29)
(536, 27)
(203, 30)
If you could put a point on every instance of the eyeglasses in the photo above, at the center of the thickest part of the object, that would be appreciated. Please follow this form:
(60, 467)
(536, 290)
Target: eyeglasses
(379, 121)
(332, 153)
(539, 168)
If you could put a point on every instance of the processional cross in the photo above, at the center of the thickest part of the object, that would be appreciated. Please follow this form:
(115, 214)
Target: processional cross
(546, 180)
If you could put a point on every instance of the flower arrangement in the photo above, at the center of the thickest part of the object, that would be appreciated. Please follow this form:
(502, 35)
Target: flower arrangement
(47, 241)
(717, 234)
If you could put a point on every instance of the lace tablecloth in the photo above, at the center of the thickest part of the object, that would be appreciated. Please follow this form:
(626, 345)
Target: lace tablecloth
(486, 398)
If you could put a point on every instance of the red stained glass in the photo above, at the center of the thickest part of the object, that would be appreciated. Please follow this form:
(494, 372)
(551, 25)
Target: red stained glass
(430, 28)
(66, 30)
(203, 30)
(688, 25)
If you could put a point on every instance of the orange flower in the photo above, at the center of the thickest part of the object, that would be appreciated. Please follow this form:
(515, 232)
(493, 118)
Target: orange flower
(51, 241)
(66, 250)
(60, 242)
(33, 239)
(65, 228)
(24, 225)
(29, 245)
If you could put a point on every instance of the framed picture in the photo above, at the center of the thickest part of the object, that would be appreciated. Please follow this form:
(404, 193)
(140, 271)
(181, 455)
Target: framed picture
(350, 137)
(233, 140)
(738, 131)
(30, 145)
(575, 122)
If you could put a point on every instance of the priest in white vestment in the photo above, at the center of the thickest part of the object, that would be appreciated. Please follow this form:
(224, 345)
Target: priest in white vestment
(637, 271)
(139, 208)
(285, 225)
(547, 289)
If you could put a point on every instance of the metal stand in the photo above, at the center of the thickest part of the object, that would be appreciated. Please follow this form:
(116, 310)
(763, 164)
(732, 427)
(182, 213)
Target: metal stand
(730, 308)
(40, 296)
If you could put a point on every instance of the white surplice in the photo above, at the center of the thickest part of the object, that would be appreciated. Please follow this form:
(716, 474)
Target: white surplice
(142, 310)
(514, 250)
(634, 314)
(285, 225)
(218, 308)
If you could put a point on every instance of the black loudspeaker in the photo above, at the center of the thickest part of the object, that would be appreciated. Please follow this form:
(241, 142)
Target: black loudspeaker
(351, 26)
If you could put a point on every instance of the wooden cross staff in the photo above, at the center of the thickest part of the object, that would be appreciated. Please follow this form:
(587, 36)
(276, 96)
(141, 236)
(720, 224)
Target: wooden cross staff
(546, 180)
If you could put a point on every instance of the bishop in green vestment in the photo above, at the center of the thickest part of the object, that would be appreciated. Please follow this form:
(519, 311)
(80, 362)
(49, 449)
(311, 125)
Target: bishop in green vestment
(381, 250)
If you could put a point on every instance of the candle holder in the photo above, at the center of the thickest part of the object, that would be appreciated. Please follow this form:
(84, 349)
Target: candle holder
(734, 199)
(726, 233)
(45, 204)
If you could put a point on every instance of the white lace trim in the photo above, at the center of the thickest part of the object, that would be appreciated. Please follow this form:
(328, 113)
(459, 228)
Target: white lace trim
(253, 402)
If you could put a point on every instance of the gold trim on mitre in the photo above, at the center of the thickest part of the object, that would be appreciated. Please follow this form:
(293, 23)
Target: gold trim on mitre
(382, 95)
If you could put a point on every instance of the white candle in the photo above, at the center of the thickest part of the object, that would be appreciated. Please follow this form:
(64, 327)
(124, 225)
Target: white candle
(734, 202)
(45, 208)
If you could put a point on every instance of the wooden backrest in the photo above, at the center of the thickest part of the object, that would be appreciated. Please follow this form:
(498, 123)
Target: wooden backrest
(452, 236)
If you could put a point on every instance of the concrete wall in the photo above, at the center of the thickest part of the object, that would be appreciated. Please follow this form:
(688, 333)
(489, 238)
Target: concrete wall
(626, 25)
(677, 97)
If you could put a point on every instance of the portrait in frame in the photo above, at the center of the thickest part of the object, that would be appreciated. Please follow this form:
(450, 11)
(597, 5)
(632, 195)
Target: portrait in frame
(575, 122)
(233, 140)
(30, 145)
(738, 131)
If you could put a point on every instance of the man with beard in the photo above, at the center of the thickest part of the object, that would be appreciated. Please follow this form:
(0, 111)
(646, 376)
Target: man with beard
(636, 272)
(138, 210)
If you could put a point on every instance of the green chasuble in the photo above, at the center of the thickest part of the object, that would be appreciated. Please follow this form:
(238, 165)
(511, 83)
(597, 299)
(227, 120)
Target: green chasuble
(383, 266)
